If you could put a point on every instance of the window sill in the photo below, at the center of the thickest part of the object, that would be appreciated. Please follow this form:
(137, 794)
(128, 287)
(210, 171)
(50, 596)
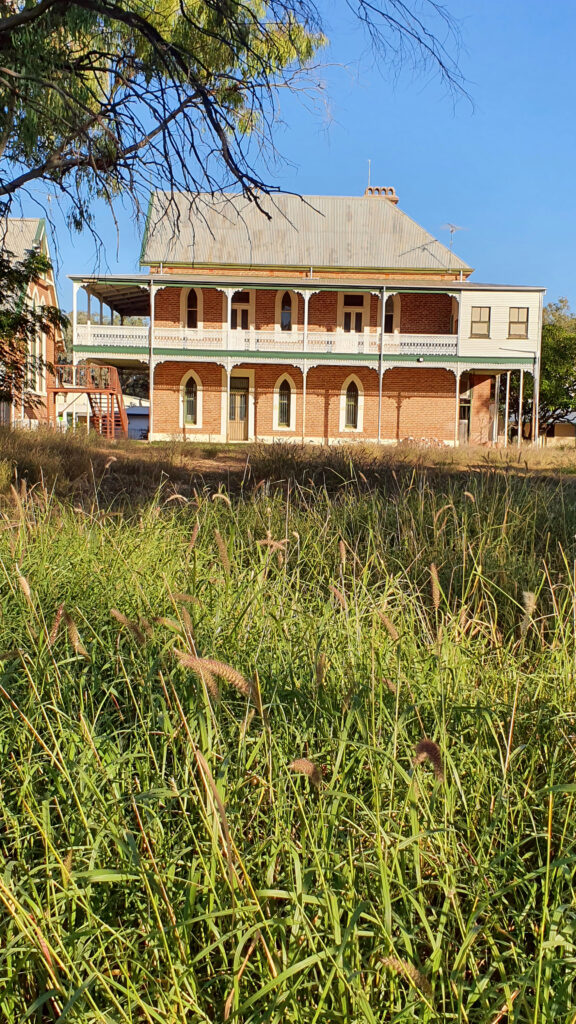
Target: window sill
(481, 337)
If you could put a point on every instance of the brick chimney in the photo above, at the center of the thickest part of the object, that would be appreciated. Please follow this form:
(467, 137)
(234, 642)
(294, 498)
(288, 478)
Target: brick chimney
(385, 191)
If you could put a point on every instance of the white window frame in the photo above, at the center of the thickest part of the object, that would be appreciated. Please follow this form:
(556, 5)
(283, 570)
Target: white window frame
(184, 307)
(364, 309)
(518, 337)
(278, 311)
(199, 390)
(472, 321)
(343, 429)
(251, 311)
(395, 311)
(276, 404)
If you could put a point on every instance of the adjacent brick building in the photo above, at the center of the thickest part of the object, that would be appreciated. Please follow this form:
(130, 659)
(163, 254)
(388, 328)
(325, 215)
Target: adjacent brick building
(35, 405)
(318, 318)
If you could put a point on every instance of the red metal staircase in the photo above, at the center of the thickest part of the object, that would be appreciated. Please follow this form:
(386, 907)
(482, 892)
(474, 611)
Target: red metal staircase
(102, 386)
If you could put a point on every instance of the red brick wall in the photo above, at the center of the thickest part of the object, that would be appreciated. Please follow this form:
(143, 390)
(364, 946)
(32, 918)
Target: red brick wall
(425, 314)
(323, 311)
(166, 410)
(213, 308)
(303, 274)
(265, 311)
(167, 307)
(265, 380)
(480, 418)
(324, 387)
(419, 404)
(419, 314)
(42, 410)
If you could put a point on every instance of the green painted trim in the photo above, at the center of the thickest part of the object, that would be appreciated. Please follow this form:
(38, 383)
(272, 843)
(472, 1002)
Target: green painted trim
(341, 357)
(233, 267)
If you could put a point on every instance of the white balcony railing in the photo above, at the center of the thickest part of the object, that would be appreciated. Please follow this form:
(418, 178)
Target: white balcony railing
(97, 337)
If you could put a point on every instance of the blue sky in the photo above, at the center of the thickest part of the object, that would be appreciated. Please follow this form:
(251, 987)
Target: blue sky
(499, 165)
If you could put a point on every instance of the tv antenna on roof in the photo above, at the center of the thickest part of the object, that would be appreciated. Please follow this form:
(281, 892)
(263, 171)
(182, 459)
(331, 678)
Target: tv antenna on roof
(369, 168)
(452, 228)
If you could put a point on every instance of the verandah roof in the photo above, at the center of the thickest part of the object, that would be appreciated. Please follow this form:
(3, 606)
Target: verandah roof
(130, 295)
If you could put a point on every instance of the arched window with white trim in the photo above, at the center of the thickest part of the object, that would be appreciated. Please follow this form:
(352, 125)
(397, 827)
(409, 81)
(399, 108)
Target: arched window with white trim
(191, 401)
(352, 405)
(284, 404)
(192, 310)
(351, 417)
(286, 312)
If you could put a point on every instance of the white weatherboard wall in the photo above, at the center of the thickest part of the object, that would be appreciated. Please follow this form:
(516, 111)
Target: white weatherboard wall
(499, 344)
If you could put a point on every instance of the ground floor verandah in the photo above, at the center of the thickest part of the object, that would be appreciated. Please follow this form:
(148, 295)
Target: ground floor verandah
(326, 404)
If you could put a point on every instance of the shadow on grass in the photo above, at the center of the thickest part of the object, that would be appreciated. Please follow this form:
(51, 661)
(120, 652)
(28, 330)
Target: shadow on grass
(85, 468)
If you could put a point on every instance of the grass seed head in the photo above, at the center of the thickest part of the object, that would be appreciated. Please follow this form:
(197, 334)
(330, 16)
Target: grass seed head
(388, 625)
(339, 597)
(222, 549)
(56, 625)
(132, 627)
(24, 587)
(193, 537)
(420, 981)
(529, 602)
(74, 636)
(427, 750)
(216, 668)
(304, 766)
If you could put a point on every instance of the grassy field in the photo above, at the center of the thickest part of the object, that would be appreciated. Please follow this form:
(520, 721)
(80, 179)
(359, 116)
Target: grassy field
(298, 746)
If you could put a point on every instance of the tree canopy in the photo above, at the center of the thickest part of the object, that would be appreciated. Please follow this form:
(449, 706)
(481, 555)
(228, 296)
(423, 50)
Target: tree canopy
(101, 98)
(558, 378)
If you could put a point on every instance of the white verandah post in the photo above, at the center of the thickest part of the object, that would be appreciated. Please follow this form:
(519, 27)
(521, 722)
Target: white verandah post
(152, 289)
(75, 288)
(507, 409)
(457, 407)
(520, 397)
(306, 297)
(495, 421)
(381, 362)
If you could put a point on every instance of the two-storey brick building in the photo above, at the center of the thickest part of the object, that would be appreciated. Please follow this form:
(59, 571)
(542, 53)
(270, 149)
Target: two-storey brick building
(35, 405)
(318, 318)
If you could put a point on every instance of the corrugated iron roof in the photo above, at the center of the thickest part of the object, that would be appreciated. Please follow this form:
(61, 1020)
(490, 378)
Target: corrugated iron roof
(18, 234)
(356, 232)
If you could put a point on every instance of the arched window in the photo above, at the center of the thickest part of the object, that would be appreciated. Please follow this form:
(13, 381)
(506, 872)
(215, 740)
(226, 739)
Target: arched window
(284, 404)
(389, 315)
(286, 313)
(351, 416)
(192, 310)
(191, 402)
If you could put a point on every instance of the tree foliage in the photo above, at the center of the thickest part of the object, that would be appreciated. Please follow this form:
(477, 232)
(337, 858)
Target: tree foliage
(558, 378)
(21, 323)
(557, 398)
(101, 98)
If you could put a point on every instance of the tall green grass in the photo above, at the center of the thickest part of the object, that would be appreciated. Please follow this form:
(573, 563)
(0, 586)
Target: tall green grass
(164, 860)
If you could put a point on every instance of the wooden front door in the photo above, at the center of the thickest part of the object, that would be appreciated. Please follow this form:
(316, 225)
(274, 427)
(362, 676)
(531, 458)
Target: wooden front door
(238, 409)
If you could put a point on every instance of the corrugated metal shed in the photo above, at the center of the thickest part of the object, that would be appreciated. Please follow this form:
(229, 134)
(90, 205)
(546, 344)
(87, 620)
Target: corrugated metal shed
(18, 234)
(356, 232)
